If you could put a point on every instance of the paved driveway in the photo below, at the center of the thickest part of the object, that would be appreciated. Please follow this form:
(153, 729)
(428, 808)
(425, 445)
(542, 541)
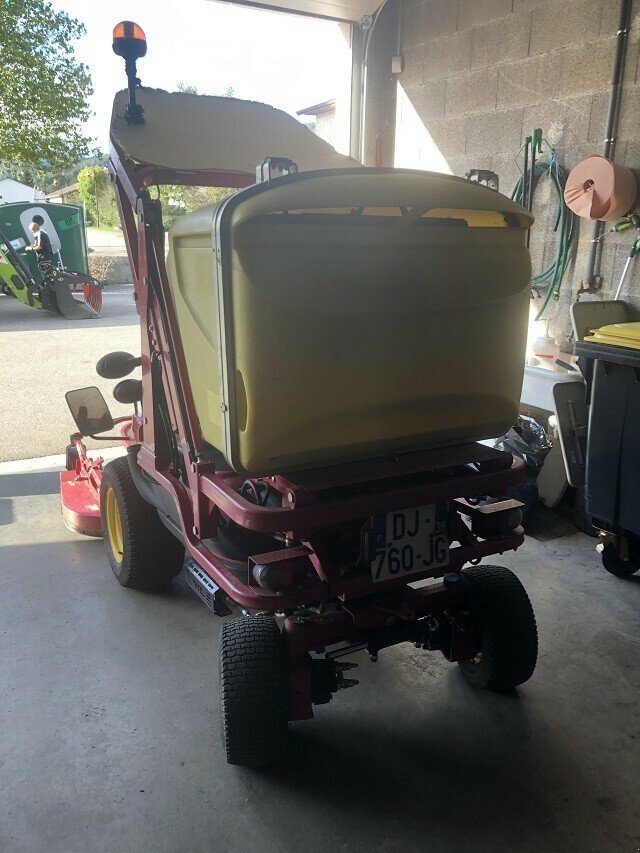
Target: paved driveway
(43, 356)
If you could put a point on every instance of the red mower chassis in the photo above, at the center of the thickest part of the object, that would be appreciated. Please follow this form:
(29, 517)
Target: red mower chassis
(326, 606)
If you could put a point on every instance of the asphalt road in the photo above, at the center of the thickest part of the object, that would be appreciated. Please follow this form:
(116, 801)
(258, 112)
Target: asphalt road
(43, 356)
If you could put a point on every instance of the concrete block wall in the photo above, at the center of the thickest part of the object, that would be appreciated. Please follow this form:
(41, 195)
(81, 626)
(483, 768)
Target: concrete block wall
(483, 73)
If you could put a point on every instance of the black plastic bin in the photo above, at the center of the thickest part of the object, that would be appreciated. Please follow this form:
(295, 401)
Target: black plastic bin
(612, 484)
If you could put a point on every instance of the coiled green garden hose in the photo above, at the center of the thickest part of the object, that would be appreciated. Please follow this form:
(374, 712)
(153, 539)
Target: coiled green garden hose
(564, 225)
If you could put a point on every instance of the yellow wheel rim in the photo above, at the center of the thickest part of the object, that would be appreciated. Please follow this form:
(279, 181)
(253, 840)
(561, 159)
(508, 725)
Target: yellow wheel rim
(114, 525)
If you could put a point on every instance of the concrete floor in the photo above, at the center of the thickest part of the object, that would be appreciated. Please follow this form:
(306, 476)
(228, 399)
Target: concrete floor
(109, 731)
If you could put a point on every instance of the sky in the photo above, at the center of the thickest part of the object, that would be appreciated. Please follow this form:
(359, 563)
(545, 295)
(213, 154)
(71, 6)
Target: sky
(287, 61)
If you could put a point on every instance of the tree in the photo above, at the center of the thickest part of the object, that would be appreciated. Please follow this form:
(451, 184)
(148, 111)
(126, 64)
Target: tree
(101, 209)
(49, 178)
(97, 195)
(190, 89)
(43, 88)
(178, 200)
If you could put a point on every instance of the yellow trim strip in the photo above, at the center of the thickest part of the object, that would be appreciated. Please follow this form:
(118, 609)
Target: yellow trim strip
(473, 218)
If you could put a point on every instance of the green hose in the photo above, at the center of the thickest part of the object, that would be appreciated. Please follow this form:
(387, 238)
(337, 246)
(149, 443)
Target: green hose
(550, 279)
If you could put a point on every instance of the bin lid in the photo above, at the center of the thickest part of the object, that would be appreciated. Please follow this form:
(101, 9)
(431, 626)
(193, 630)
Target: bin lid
(617, 335)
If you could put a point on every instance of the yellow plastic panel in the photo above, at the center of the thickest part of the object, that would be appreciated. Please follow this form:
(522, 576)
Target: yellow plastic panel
(617, 335)
(190, 272)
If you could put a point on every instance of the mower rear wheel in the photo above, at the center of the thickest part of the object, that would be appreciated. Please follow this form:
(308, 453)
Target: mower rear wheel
(142, 552)
(253, 690)
(508, 626)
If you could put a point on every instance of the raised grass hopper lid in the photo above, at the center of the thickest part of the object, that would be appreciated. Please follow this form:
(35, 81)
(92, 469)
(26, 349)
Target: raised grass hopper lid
(206, 132)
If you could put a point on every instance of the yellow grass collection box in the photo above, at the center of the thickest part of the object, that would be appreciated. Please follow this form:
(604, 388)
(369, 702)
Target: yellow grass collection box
(343, 314)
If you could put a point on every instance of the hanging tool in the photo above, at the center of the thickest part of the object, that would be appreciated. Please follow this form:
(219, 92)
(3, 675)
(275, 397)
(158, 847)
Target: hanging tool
(550, 278)
(532, 144)
(624, 224)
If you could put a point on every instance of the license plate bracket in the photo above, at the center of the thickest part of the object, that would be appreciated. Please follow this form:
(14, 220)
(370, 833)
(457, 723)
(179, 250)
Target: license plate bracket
(409, 541)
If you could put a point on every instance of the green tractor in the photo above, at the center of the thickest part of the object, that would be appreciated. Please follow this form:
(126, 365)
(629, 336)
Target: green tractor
(71, 294)
(65, 286)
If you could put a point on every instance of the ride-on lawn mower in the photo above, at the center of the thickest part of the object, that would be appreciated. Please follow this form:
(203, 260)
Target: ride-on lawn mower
(75, 295)
(320, 354)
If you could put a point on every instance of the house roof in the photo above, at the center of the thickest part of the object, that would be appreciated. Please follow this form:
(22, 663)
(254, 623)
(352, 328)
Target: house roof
(318, 109)
(15, 181)
(72, 188)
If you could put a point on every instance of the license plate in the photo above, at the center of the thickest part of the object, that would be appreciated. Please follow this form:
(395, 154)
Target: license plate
(409, 541)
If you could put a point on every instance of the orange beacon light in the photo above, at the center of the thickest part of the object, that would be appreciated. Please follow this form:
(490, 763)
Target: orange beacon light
(130, 42)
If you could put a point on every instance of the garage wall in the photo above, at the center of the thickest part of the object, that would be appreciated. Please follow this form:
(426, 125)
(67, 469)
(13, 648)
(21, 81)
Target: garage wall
(380, 109)
(482, 73)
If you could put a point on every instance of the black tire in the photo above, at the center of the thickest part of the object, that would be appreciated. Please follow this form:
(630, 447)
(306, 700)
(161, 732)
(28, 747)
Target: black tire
(615, 565)
(253, 691)
(151, 556)
(509, 633)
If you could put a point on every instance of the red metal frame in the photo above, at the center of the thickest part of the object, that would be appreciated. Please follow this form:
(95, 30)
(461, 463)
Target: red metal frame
(203, 491)
(331, 606)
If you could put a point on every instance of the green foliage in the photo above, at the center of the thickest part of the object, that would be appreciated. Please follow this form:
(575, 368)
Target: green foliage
(91, 180)
(98, 198)
(176, 201)
(101, 209)
(43, 88)
(49, 178)
(54, 179)
(189, 89)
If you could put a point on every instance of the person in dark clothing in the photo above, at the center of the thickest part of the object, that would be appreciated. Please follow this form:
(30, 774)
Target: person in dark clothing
(41, 244)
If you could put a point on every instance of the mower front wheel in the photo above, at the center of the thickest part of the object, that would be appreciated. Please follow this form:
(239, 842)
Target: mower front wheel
(142, 552)
(253, 691)
(508, 628)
